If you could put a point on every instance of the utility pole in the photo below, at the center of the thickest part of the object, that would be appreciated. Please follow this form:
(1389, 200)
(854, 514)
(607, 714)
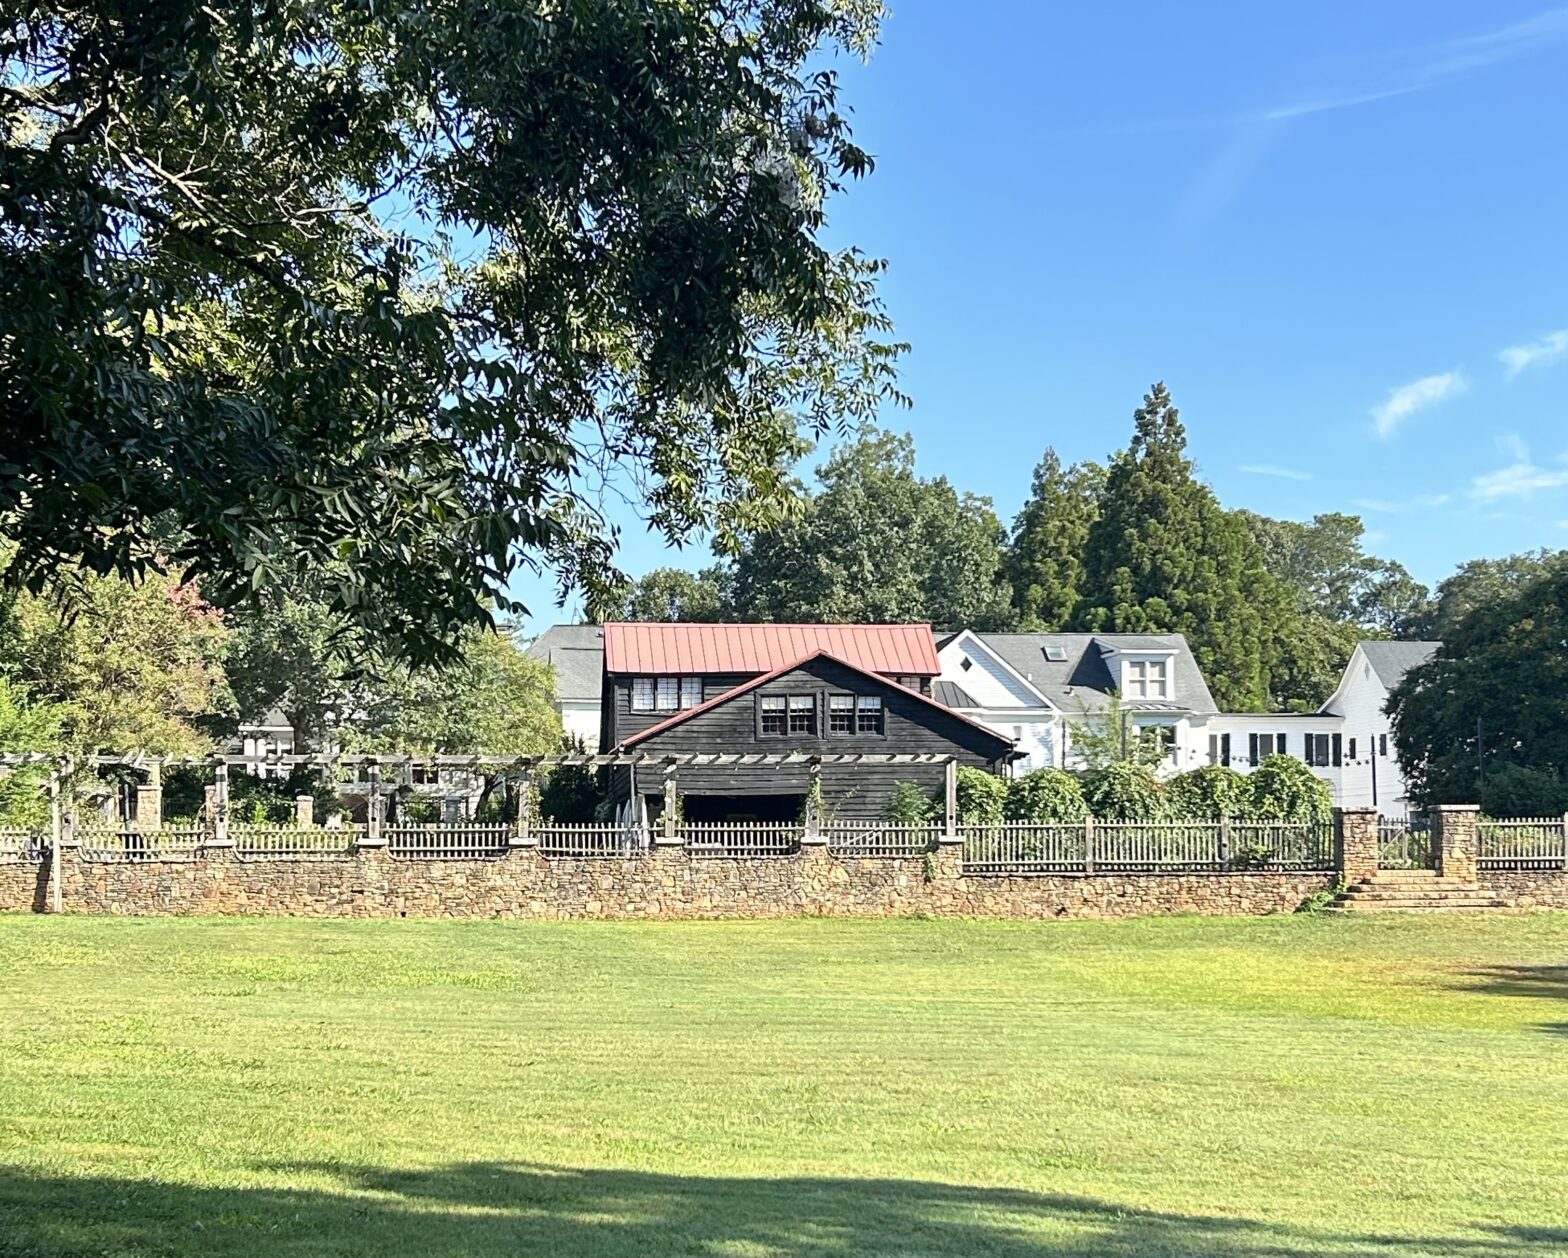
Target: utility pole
(1372, 747)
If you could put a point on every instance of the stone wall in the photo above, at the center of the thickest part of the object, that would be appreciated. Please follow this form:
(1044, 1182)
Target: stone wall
(665, 883)
(1526, 888)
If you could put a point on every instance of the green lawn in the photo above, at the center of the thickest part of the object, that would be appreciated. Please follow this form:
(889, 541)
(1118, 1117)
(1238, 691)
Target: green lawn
(1271, 1087)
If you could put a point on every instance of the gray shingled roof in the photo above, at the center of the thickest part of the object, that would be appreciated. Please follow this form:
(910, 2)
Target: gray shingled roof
(1392, 660)
(951, 695)
(577, 654)
(1082, 681)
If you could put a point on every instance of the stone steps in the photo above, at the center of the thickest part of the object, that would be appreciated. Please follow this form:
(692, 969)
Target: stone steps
(1413, 891)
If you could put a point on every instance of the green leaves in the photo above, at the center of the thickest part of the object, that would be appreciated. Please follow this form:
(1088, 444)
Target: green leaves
(383, 297)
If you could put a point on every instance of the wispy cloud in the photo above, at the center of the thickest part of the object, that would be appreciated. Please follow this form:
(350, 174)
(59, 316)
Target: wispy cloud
(1388, 506)
(1523, 478)
(1404, 72)
(1274, 470)
(1549, 348)
(1407, 399)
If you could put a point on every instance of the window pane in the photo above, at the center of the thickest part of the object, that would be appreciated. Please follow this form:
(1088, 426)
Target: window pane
(802, 714)
(841, 714)
(773, 714)
(691, 691)
(669, 694)
(869, 714)
(642, 694)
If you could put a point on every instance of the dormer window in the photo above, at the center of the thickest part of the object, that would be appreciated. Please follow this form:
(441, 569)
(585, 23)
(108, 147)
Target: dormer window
(1147, 679)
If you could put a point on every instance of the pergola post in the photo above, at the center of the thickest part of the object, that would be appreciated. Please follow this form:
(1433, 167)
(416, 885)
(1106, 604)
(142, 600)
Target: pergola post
(373, 836)
(814, 800)
(220, 804)
(671, 818)
(524, 820)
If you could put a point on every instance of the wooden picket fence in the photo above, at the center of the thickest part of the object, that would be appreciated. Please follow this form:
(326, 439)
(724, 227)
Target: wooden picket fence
(1094, 846)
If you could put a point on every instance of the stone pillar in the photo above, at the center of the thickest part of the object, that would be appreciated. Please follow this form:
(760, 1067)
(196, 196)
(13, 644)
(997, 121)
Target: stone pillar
(304, 811)
(1355, 842)
(522, 825)
(1454, 840)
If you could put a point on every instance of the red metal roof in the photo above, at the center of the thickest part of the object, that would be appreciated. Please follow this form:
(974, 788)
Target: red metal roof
(644, 648)
(755, 682)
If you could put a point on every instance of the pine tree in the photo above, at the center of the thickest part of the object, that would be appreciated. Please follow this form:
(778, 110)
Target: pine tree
(1164, 557)
(1045, 557)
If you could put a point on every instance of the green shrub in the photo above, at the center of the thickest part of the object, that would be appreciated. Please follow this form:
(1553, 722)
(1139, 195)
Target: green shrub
(418, 809)
(1207, 794)
(1512, 790)
(982, 796)
(1045, 795)
(1125, 792)
(910, 805)
(1284, 789)
(571, 793)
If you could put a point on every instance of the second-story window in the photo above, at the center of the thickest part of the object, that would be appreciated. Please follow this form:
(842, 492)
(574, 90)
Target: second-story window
(802, 714)
(1147, 679)
(665, 694)
(775, 717)
(841, 714)
(868, 714)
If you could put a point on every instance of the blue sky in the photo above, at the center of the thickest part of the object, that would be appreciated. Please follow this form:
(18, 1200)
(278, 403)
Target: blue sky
(1335, 230)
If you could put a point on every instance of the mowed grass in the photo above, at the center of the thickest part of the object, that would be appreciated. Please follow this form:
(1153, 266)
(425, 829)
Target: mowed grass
(1273, 1087)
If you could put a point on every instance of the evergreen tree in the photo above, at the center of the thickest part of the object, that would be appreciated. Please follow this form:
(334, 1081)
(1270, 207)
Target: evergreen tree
(1164, 557)
(1045, 558)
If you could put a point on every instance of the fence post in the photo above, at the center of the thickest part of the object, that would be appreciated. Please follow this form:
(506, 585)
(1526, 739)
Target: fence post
(149, 801)
(950, 797)
(1088, 845)
(1225, 842)
(304, 811)
(1356, 838)
(1454, 840)
(56, 837)
(1565, 841)
(522, 824)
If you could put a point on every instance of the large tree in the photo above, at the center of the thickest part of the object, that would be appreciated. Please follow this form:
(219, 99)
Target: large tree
(1164, 557)
(1481, 581)
(1045, 554)
(1323, 565)
(875, 542)
(676, 594)
(373, 294)
(1494, 698)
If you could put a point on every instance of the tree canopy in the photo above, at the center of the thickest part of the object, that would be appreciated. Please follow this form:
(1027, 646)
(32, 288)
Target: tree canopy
(1493, 700)
(1045, 555)
(375, 296)
(876, 542)
(670, 594)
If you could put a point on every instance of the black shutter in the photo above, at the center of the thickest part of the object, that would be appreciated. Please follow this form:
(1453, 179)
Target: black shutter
(1339, 749)
(1224, 748)
(1281, 745)
(1252, 749)
(1352, 751)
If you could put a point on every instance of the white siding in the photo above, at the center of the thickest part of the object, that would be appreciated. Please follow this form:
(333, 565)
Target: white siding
(1360, 700)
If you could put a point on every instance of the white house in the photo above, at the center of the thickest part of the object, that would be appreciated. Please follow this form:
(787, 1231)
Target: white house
(1034, 687)
(576, 652)
(1370, 775)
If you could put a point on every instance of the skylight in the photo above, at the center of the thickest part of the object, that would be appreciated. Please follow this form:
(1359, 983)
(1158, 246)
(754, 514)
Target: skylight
(1056, 654)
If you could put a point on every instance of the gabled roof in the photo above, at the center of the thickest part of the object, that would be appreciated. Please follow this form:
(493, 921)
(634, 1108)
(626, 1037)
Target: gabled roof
(576, 652)
(951, 695)
(1392, 660)
(1082, 681)
(650, 649)
(747, 687)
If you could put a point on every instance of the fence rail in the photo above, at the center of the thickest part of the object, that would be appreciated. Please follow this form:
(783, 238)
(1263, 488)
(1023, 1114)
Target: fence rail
(1522, 842)
(741, 838)
(587, 841)
(877, 839)
(1145, 847)
(123, 846)
(463, 841)
(262, 842)
(22, 846)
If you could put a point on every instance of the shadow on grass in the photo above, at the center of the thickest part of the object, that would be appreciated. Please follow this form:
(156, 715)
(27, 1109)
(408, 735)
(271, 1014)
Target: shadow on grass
(1544, 982)
(476, 1210)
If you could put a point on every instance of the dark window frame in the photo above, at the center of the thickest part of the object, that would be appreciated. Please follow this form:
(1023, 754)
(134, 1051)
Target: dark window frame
(771, 708)
(870, 703)
(801, 706)
(841, 713)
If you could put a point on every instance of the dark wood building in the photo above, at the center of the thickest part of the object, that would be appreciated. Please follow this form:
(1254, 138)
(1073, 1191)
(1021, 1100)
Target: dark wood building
(804, 689)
